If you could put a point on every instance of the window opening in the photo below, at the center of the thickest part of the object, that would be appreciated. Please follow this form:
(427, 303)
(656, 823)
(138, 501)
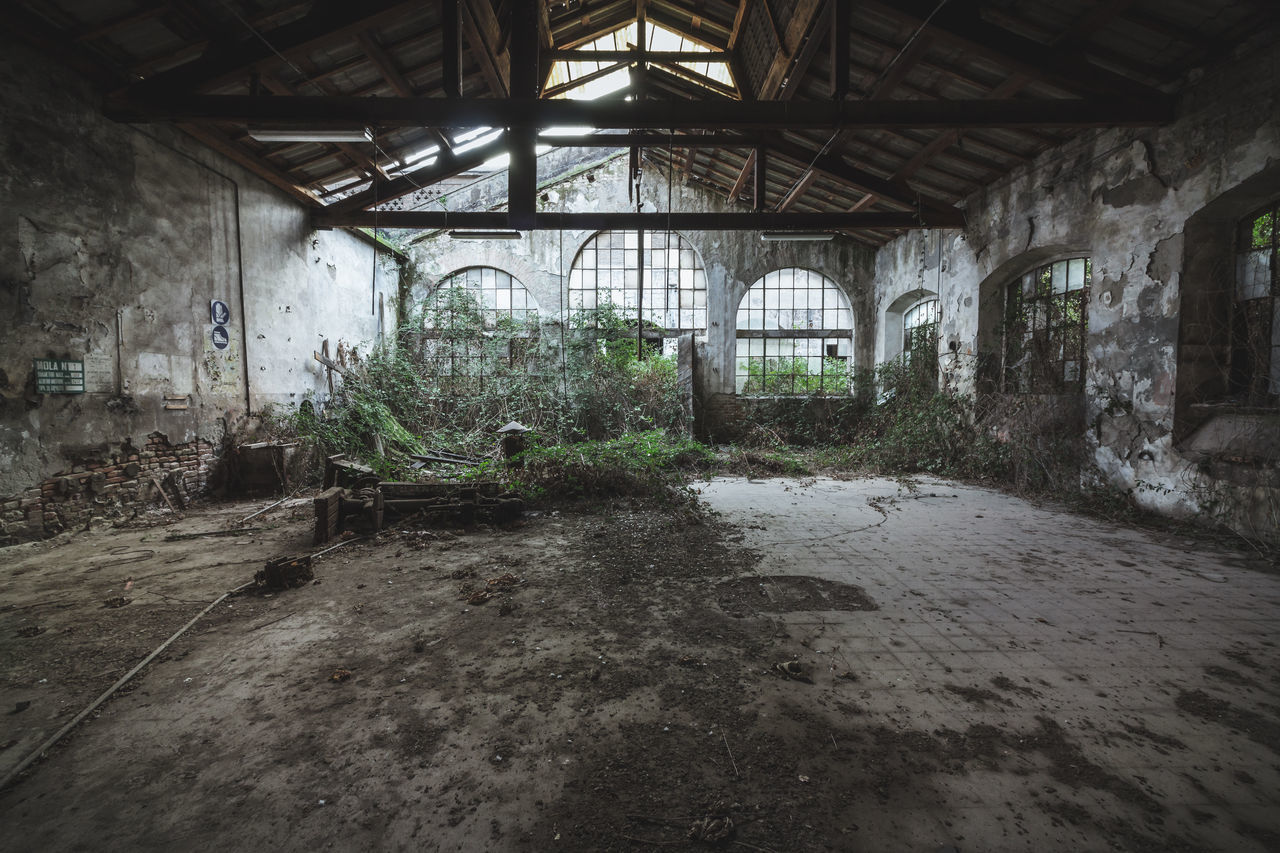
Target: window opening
(1255, 340)
(1045, 325)
(477, 323)
(588, 79)
(920, 337)
(795, 336)
(668, 299)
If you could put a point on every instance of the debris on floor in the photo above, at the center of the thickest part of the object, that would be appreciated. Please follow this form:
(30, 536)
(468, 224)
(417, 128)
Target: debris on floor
(286, 573)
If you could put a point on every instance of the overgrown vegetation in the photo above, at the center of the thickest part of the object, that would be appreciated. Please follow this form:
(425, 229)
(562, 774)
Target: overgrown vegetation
(606, 413)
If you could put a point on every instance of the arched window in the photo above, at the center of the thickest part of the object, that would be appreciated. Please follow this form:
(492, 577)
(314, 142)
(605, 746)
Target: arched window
(1255, 340)
(795, 335)
(661, 284)
(493, 293)
(920, 333)
(476, 323)
(1044, 329)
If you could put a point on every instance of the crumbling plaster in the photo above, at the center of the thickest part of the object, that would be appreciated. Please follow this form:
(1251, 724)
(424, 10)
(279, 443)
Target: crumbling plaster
(733, 260)
(113, 241)
(1122, 197)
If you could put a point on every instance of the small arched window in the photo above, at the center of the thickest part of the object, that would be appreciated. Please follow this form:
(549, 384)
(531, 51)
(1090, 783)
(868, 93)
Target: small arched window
(920, 329)
(794, 336)
(1255, 338)
(1046, 317)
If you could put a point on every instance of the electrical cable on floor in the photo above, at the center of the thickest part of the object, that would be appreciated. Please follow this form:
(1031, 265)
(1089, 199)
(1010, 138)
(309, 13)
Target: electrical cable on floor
(62, 732)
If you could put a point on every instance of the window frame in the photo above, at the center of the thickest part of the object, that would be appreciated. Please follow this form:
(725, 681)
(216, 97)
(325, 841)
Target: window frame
(1253, 372)
(832, 333)
(1034, 326)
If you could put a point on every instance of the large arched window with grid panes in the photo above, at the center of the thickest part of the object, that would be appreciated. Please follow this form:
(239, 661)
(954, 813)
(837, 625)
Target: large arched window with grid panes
(794, 336)
(1046, 318)
(477, 324)
(652, 278)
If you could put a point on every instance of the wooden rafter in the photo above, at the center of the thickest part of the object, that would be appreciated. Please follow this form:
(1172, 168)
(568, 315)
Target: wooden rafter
(803, 17)
(328, 24)
(482, 32)
(214, 139)
(960, 23)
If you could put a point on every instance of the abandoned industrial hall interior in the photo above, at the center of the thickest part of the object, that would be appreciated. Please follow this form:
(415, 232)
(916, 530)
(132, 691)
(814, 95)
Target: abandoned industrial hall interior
(632, 425)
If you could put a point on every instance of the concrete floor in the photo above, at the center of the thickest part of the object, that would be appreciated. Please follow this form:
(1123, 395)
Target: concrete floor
(1155, 652)
(1025, 679)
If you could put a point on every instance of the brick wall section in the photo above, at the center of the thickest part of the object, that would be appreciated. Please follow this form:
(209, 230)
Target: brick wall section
(117, 486)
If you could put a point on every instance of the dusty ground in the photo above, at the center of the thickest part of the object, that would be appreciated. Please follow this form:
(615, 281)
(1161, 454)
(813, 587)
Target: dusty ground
(624, 686)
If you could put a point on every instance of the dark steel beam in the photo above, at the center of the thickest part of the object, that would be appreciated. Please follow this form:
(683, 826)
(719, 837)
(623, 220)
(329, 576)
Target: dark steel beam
(346, 111)
(667, 56)
(551, 221)
(652, 140)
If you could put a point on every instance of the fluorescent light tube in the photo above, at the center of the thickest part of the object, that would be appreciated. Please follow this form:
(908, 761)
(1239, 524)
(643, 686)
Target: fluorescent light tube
(302, 134)
(794, 236)
(485, 235)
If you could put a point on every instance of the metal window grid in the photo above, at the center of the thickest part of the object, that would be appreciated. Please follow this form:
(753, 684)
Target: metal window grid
(794, 335)
(1045, 325)
(671, 294)
(1254, 372)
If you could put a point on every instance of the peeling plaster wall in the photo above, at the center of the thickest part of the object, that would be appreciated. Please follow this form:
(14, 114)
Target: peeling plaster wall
(113, 241)
(1122, 197)
(734, 260)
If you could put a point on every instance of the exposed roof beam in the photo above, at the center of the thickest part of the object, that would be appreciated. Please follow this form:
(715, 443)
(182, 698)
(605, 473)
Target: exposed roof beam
(740, 184)
(386, 66)
(960, 22)
(215, 140)
(446, 166)
(736, 29)
(551, 221)
(790, 44)
(837, 167)
(481, 29)
(349, 111)
(635, 56)
(800, 188)
(329, 22)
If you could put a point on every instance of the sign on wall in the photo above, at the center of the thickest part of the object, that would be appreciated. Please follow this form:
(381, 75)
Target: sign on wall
(219, 312)
(219, 317)
(59, 376)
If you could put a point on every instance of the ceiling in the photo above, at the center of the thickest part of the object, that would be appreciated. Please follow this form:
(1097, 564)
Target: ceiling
(877, 115)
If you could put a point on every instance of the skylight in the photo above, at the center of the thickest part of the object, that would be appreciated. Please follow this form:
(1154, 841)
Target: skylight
(587, 80)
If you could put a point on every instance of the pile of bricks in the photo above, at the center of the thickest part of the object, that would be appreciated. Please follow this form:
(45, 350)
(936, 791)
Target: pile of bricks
(121, 484)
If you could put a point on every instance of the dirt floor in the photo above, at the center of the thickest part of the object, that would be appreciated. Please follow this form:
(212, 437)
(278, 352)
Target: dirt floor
(627, 678)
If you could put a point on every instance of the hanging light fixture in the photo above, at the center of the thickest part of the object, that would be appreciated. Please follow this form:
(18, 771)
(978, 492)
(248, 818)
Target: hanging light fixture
(303, 134)
(485, 235)
(795, 236)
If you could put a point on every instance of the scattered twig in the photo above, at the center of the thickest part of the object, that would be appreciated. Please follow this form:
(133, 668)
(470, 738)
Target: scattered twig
(265, 508)
(160, 489)
(753, 847)
(649, 841)
(272, 622)
(336, 547)
(730, 751)
(175, 537)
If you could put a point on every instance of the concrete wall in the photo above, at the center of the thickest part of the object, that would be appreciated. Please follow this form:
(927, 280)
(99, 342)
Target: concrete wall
(1124, 198)
(733, 261)
(113, 241)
